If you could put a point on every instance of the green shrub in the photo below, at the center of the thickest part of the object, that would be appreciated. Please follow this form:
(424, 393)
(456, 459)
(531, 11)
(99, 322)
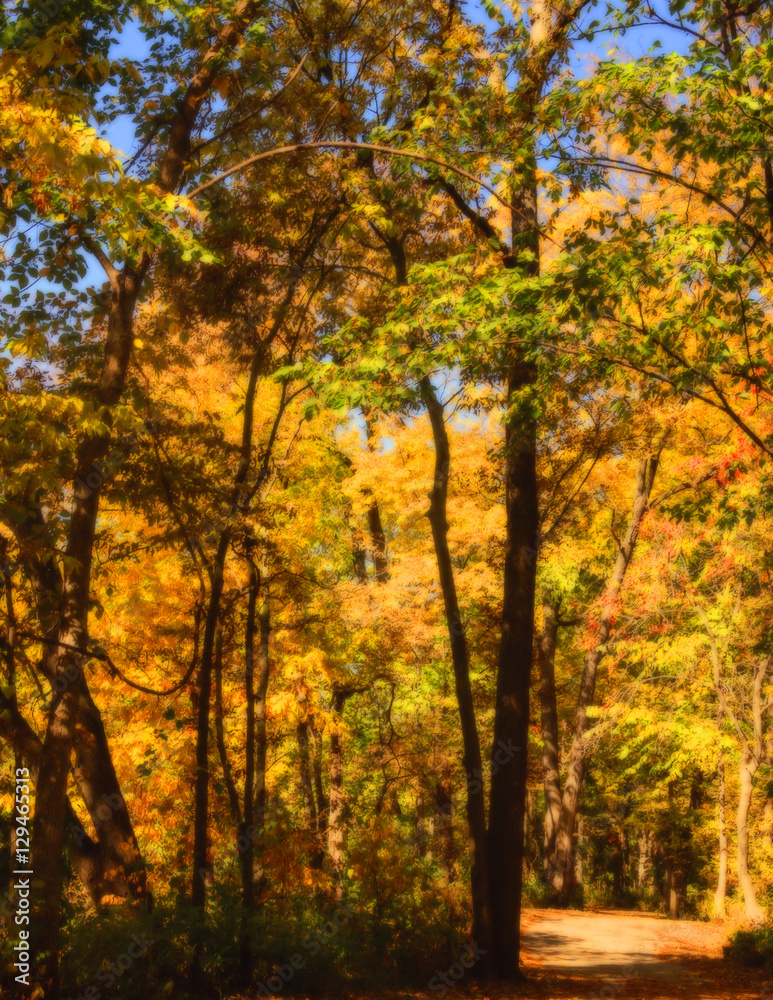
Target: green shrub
(752, 947)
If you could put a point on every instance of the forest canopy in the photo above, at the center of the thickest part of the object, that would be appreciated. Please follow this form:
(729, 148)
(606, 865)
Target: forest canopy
(385, 483)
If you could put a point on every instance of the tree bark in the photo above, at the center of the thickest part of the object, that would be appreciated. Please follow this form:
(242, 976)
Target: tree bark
(261, 692)
(316, 766)
(444, 829)
(577, 759)
(752, 755)
(375, 527)
(201, 870)
(93, 769)
(126, 284)
(378, 543)
(746, 771)
(644, 870)
(311, 802)
(99, 787)
(511, 714)
(670, 893)
(92, 865)
(551, 778)
(472, 760)
(335, 823)
(228, 778)
(719, 895)
(237, 501)
(244, 841)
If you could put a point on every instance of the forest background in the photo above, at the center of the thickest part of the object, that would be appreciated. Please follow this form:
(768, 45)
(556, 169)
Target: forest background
(386, 501)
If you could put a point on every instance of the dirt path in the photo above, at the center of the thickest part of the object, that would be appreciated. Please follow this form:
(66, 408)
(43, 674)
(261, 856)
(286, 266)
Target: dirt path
(600, 944)
(601, 956)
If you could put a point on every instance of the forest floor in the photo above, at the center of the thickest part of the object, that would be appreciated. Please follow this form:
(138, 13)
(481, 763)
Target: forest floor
(609, 955)
(633, 956)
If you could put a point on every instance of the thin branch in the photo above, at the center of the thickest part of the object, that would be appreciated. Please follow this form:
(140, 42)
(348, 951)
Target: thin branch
(376, 148)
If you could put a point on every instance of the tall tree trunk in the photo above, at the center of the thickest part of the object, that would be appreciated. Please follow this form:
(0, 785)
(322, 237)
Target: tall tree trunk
(126, 284)
(311, 802)
(511, 713)
(551, 778)
(228, 778)
(444, 829)
(261, 719)
(51, 797)
(578, 759)
(89, 860)
(644, 870)
(579, 844)
(378, 543)
(245, 841)
(547, 38)
(719, 895)
(97, 781)
(618, 865)
(472, 760)
(670, 893)
(122, 868)
(201, 871)
(335, 822)
(375, 527)
(237, 502)
(304, 762)
(316, 766)
(746, 771)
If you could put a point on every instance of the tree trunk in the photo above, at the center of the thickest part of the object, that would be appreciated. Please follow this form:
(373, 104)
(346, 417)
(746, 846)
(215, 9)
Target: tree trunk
(237, 502)
(316, 764)
(577, 759)
(547, 38)
(335, 823)
(472, 760)
(304, 762)
(511, 714)
(378, 544)
(51, 797)
(618, 861)
(245, 842)
(444, 829)
(201, 870)
(126, 284)
(579, 845)
(228, 778)
(644, 870)
(122, 868)
(375, 527)
(96, 870)
(719, 895)
(98, 784)
(551, 778)
(311, 790)
(261, 692)
(747, 769)
(670, 894)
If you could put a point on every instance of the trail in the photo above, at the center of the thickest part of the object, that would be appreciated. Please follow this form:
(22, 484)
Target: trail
(633, 957)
